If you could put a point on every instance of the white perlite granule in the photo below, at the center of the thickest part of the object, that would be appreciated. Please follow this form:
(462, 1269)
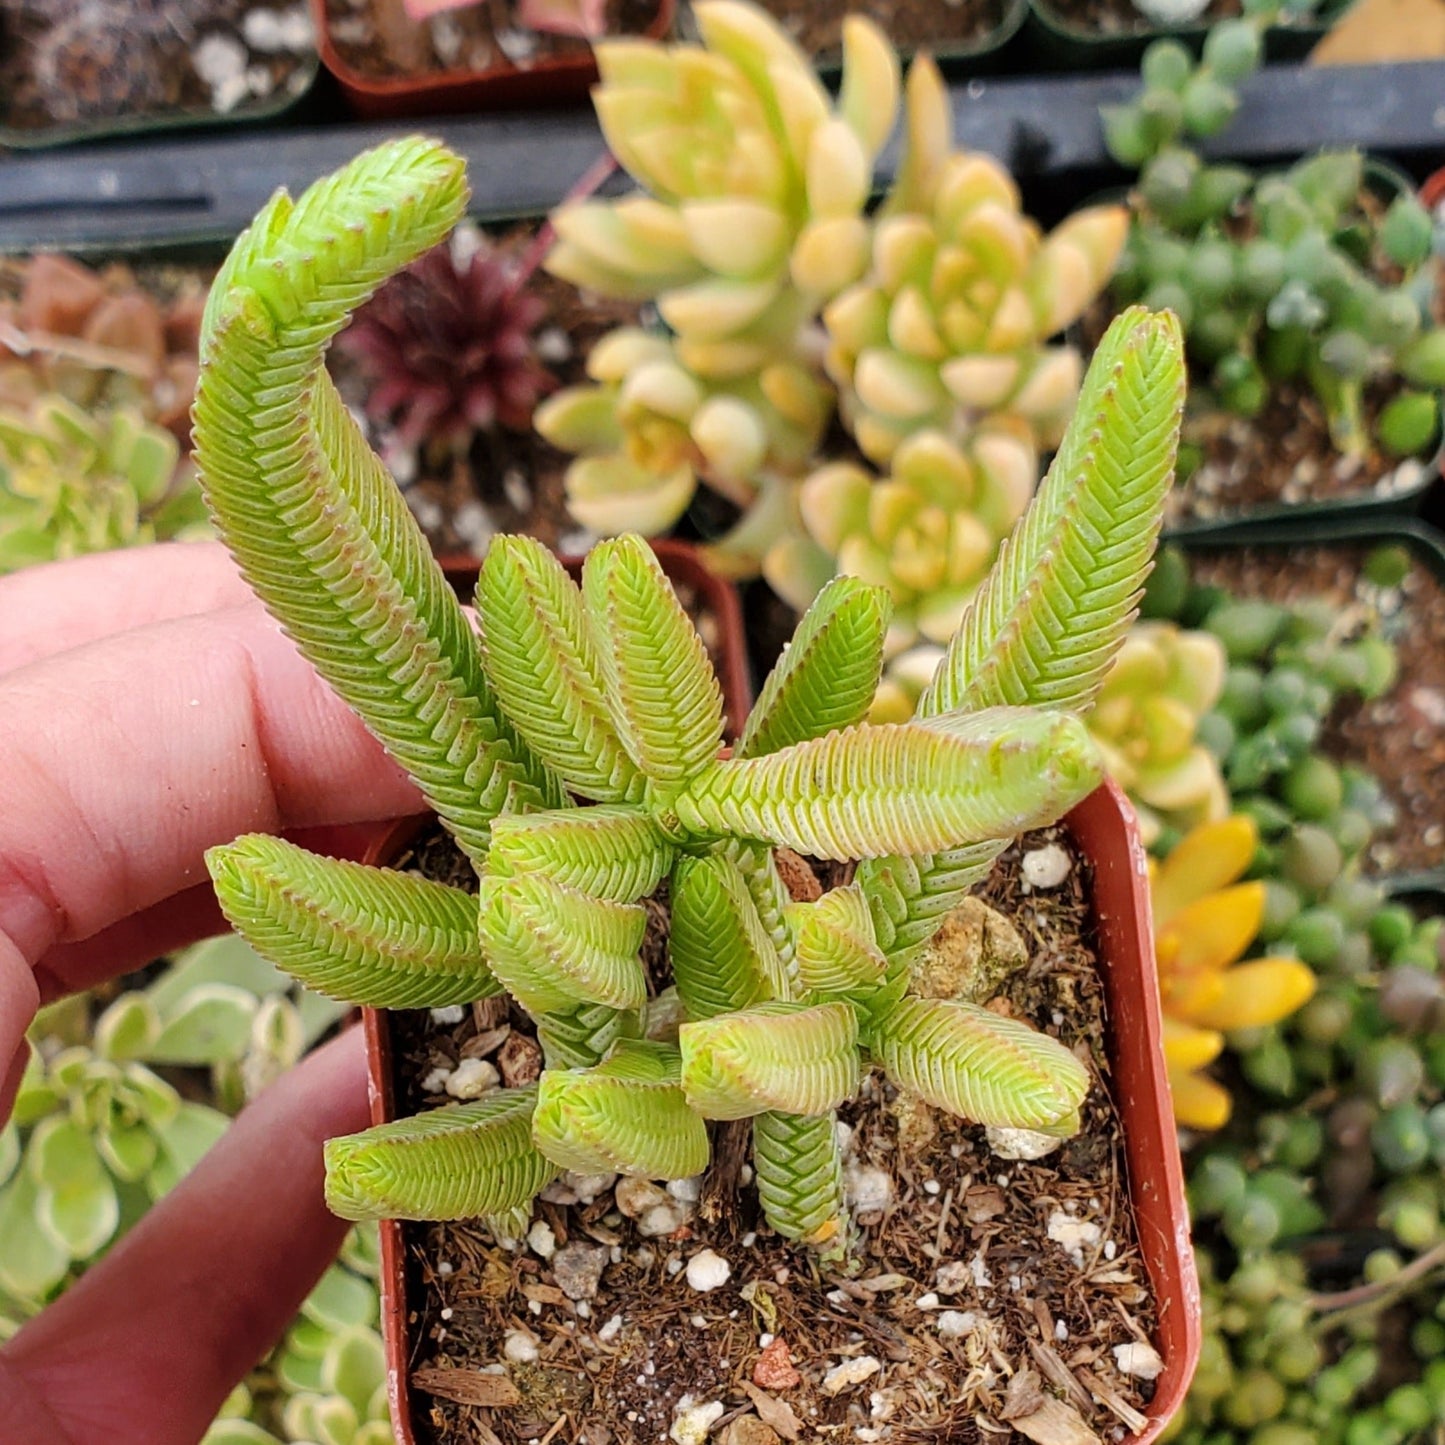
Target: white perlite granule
(1046, 867)
(707, 1270)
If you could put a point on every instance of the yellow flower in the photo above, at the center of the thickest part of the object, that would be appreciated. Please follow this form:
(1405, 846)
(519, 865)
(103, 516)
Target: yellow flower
(1204, 920)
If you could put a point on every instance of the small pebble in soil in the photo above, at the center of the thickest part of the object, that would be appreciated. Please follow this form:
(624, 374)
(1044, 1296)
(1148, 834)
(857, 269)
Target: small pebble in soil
(691, 1423)
(1072, 1235)
(850, 1373)
(955, 1324)
(1139, 1359)
(578, 1269)
(927, 1301)
(708, 1270)
(869, 1190)
(453, 1013)
(1046, 867)
(472, 1078)
(1021, 1143)
(273, 31)
(541, 1241)
(520, 1347)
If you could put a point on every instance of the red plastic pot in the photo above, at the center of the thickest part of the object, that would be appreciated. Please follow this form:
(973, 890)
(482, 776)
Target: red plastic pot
(1105, 828)
(1432, 193)
(559, 80)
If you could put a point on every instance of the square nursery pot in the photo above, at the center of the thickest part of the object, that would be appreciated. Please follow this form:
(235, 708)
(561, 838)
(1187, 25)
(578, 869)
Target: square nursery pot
(1104, 828)
(288, 94)
(550, 81)
(1397, 496)
(1059, 41)
(1413, 704)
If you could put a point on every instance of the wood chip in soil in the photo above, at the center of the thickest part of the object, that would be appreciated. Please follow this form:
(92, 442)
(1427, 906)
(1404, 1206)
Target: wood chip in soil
(1400, 737)
(377, 39)
(987, 1303)
(77, 62)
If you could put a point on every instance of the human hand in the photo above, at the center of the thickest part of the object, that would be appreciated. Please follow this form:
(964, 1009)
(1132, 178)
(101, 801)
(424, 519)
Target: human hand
(149, 708)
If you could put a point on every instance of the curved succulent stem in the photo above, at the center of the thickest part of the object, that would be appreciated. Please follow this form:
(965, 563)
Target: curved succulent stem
(363, 935)
(799, 1174)
(452, 1163)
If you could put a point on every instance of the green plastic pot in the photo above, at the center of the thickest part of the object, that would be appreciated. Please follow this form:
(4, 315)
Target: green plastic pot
(1423, 542)
(1060, 43)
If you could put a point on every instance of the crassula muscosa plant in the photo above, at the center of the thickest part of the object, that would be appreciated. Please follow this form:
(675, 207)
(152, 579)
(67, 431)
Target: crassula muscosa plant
(570, 745)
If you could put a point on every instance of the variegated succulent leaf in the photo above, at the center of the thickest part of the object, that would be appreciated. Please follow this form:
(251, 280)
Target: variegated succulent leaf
(799, 1172)
(837, 949)
(723, 957)
(658, 681)
(364, 935)
(320, 532)
(979, 1065)
(791, 1057)
(626, 1115)
(828, 673)
(542, 659)
(610, 852)
(452, 1163)
(913, 787)
(553, 947)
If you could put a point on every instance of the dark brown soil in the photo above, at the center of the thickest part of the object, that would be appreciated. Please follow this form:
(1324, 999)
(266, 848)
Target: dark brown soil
(966, 1232)
(1119, 17)
(1283, 457)
(934, 25)
(1400, 738)
(82, 62)
(504, 481)
(377, 40)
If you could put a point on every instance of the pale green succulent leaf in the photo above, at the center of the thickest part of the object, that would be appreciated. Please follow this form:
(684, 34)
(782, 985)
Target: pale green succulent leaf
(32, 1262)
(185, 1140)
(321, 534)
(837, 949)
(617, 853)
(453, 1163)
(585, 1035)
(722, 956)
(627, 1115)
(81, 1218)
(213, 1025)
(542, 661)
(227, 959)
(553, 947)
(366, 935)
(127, 1029)
(759, 870)
(795, 1058)
(129, 1150)
(979, 1065)
(798, 1168)
(828, 673)
(1048, 620)
(340, 1301)
(9, 1151)
(237, 1432)
(901, 787)
(665, 699)
(354, 1365)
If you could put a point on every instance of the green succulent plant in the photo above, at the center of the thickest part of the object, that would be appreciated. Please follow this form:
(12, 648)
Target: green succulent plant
(926, 326)
(571, 747)
(1281, 278)
(72, 482)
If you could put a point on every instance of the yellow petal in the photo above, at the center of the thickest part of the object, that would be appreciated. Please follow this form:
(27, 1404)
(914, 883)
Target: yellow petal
(1258, 993)
(1213, 931)
(1208, 858)
(1199, 1103)
(1186, 1047)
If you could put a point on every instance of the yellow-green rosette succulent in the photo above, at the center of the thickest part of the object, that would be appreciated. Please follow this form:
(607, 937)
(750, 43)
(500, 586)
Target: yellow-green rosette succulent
(1163, 681)
(928, 532)
(649, 429)
(756, 182)
(951, 321)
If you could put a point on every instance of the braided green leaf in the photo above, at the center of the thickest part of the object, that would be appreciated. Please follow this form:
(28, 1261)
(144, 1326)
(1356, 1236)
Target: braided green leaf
(553, 947)
(722, 957)
(901, 787)
(660, 685)
(584, 1035)
(627, 1115)
(797, 1058)
(363, 935)
(979, 1065)
(320, 532)
(606, 852)
(541, 658)
(1049, 618)
(452, 1163)
(837, 950)
(828, 673)
(909, 897)
(759, 870)
(799, 1171)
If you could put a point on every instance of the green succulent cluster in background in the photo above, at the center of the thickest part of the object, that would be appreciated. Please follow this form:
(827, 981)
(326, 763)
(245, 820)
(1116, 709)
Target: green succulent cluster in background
(604, 693)
(926, 327)
(1321, 275)
(72, 482)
